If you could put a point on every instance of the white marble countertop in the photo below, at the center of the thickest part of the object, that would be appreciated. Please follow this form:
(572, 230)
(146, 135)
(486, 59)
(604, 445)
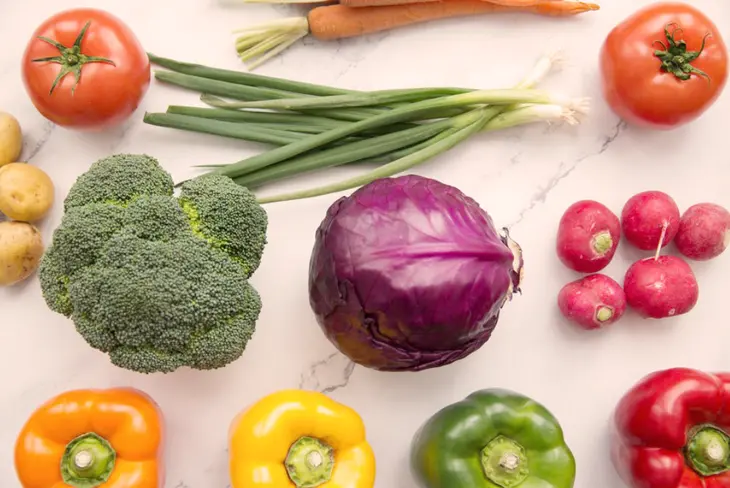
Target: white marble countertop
(524, 178)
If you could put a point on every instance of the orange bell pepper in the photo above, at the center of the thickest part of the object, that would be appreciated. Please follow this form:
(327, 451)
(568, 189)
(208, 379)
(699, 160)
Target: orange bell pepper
(92, 438)
(300, 439)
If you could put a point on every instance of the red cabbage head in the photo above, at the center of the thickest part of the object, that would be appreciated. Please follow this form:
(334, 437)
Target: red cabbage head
(408, 273)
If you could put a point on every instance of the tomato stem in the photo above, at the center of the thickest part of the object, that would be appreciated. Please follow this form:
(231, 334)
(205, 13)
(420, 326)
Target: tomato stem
(71, 58)
(674, 55)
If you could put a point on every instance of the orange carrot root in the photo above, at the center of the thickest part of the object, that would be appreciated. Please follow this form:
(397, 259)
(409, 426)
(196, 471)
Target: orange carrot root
(339, 21)
(384, 3)
(381, 3)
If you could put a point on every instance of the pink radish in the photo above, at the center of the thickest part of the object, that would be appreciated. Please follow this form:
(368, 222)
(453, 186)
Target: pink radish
(592, 302)
(588, 235)
(704, 231)
(643, 218)
(661, 286)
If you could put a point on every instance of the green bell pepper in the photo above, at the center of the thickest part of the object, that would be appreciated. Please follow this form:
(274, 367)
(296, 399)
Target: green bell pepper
(492, 439)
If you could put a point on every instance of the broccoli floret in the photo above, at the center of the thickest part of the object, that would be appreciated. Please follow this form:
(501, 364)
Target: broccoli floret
(119, 179)
(54, 284)
(147, 284)
(157, 218)
(84, 233)
(227, 216)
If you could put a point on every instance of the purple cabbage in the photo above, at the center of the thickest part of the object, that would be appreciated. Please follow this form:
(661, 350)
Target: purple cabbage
(408, 274)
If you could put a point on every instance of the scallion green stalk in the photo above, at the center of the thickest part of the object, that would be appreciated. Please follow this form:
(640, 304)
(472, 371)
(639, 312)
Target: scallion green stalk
(394, 167)
(401, 114)
(354, 151)
(369, 99)
(222, 88)
(490, 119)
(248, 132)
(452, 96)
(411, 156)
(243, 92)
(346, 114)
(254, 117)
(244, 78)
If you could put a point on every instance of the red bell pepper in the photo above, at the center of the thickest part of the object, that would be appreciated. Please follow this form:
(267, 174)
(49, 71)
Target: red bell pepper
(671, 431)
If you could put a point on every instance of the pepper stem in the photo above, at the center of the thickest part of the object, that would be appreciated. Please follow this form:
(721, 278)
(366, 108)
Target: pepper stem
(504, 462)
(87, 461)
(310, 462)
(708, 451)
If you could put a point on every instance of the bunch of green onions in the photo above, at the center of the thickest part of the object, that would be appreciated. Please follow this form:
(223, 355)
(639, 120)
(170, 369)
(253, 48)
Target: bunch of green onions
(315, 127)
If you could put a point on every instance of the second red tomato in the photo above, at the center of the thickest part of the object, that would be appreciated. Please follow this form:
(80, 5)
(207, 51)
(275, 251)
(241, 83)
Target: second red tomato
(663, 66)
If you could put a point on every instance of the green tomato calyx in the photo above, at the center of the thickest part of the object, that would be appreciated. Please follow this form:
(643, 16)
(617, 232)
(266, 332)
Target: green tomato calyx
(674, 55)
(71, 59)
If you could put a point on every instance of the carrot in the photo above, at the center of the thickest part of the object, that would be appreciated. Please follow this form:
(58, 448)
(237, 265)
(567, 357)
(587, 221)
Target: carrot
(381, 3)
(331, 22)
(338, 21)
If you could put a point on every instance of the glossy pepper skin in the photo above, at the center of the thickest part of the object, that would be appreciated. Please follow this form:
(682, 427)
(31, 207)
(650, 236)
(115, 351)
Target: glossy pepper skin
(271, 444)
(492, 439)
(120, 431)
(670, 431)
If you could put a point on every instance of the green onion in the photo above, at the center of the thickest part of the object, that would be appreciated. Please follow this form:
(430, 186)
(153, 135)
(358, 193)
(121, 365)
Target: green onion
(369, 99)
(248, 79)
(397, 166)
(222, 88)
(254, 117)
(401, 114)
(248, 132)
(348, 114)
(243, 92)
(355, 151)
(487, 119)
(318, 127)
(384, 97)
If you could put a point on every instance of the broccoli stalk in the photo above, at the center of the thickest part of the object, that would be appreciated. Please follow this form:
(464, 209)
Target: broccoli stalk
(155, 281)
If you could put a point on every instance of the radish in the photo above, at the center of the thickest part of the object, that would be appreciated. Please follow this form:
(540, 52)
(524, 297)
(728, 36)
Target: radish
(588, 235)
(704, 231)
(643, 218)
(661, 286)
(592, 302)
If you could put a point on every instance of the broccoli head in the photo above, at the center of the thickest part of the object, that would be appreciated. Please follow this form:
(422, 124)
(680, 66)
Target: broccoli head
(155, 281)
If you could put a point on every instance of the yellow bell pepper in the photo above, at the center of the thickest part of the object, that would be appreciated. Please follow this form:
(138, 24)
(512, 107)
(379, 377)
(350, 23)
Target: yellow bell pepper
(300, 439)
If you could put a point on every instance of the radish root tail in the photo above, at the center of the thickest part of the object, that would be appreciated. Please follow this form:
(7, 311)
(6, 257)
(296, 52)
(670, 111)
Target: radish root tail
(256, 45)
(661, 240)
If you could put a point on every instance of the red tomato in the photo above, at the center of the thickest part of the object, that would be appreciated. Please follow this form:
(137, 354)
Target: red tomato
(89, 71)
(655, 69)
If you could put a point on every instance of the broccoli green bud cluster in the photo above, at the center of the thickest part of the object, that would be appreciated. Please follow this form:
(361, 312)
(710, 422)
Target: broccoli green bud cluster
(156, 281)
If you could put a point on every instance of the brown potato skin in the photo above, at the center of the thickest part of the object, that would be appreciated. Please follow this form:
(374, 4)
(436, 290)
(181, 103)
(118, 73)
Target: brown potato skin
(11, 139)
(21, 249)
(26, 192)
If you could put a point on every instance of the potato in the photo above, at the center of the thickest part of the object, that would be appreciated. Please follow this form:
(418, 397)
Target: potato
(26, 192)
(11, 139)
(21, 248)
